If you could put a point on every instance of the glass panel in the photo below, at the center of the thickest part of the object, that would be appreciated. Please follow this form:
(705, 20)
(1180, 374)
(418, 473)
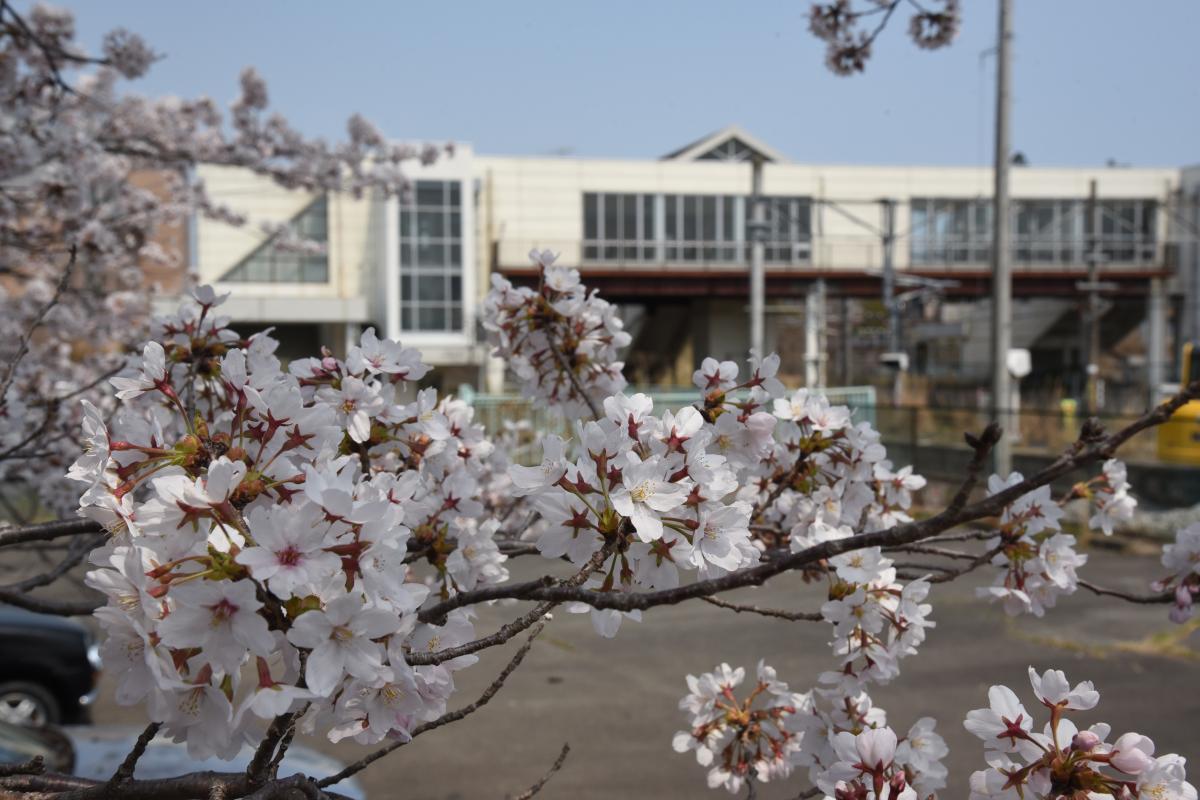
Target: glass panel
(455, 200)
(431, 224)
(629, 225)
(612, 217)
(431, 318)
(591, 217)
(455, 287)
(431, 287)
(456, 318)
(648, 232)
(455, 224)
(316, 270)
(431, 254)
(430, 193)
(690, 219)
(455, 255)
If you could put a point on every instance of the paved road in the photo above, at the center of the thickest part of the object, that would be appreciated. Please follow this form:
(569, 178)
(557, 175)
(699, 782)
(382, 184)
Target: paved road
(615, 701)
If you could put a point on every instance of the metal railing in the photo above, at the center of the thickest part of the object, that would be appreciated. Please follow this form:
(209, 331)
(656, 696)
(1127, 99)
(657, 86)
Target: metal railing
(494, 410)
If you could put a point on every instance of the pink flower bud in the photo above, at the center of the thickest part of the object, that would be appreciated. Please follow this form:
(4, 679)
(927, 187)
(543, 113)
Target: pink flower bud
(1132, 753)
(1181, 612)
(1084, 741)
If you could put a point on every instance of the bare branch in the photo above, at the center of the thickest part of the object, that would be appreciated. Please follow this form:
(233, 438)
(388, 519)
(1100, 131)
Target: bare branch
(1149, 599)
(35, 323)
(45, 531)
(791, 616)
(537, 787)
(565, 367)
(125, 771)
(445, 719)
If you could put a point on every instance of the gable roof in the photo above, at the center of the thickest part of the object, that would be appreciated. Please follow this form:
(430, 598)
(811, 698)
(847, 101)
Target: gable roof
(731, 143)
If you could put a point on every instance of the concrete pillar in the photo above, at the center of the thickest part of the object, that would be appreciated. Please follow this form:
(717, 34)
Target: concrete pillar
(812, 347)
(351, 333)
(1156, 356)
(494, 379)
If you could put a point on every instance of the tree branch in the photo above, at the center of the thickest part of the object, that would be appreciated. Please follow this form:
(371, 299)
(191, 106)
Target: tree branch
(445, 719)
(791, 616)
(46, 531)
(125, 771)
(1149, 599)
(537, 787)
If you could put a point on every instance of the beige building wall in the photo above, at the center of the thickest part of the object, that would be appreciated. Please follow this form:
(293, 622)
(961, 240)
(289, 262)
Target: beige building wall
(538, 202)
(353, 249)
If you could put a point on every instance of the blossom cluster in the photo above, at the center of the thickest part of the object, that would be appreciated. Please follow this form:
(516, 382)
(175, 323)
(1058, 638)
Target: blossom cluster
(561, 341)
(1061, 759)
(1038, 561)
(275, 534)
(740, 739)
(91, 175)
(1182, 559)
(818, 477)
(840, 24)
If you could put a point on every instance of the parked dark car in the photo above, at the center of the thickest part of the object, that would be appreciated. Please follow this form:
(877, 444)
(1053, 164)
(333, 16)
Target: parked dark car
(48, 669)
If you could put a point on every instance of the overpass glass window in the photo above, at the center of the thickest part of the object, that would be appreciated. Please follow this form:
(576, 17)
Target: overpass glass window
(273, 262)
(618, 228)
(1044, 231)
(1127, 230)
(1048, 232)
(789, 230)
(950, 231)
(431, 257)
(694, 229)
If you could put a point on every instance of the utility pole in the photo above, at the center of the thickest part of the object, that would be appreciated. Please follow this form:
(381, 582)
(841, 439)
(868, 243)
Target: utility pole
(814, 335)
(1001, 264)
(1094, 255)
(758, 225)
(887, 241)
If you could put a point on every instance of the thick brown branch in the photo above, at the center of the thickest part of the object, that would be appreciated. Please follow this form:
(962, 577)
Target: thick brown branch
(46, 531)
(40, 605)
(125, 771)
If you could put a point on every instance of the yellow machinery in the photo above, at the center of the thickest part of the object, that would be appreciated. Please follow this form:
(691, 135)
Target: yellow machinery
(1179, 437)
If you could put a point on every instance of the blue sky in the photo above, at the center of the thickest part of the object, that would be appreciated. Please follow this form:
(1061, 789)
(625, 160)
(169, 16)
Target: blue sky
(1093, 79)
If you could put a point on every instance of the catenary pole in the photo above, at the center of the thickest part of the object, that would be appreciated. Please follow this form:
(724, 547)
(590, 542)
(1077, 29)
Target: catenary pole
(1001, 245)
(757, 253)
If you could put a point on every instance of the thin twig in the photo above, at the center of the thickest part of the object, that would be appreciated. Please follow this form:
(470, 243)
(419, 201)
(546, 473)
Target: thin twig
(11, 372)
(562, 364)
(1150, 599)
(555, 767)
(445, 719)
(791, 616)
